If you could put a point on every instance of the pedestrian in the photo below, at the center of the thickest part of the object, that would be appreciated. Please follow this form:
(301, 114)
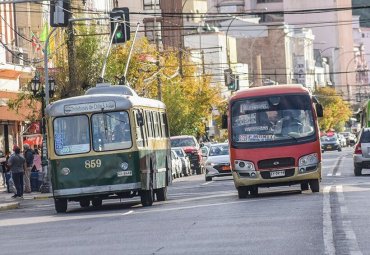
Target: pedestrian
(17, 164)
(28, 155)
(37, 161)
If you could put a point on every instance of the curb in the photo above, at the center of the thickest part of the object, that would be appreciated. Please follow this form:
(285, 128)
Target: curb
(9, 206)
(42, 197)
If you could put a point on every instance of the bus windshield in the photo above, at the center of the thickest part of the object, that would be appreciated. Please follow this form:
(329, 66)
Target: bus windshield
(71, 135)
(281, 119)
(111, 131)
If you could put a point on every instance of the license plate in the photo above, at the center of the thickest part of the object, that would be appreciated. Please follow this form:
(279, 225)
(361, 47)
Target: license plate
(124, 173)
(225, 168)
(277, 173)
(329, 146)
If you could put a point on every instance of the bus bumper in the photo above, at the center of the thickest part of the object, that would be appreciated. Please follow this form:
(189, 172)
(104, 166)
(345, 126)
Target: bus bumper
(264, 179)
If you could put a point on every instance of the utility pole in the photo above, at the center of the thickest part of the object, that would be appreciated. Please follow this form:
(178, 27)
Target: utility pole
(159, 83)
(71, 59)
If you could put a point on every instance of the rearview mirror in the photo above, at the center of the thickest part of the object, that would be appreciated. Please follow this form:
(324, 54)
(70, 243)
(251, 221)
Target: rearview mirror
(319, 110)
(224, 121)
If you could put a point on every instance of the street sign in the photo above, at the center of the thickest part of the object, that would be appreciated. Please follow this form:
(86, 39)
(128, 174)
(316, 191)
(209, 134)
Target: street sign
(59, 13)
(121, 18)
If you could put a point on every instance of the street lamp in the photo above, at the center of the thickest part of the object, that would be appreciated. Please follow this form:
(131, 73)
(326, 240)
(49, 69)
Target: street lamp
(40, 94)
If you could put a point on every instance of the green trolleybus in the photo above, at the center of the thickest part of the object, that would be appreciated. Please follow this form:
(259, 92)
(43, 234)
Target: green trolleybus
(108, 143)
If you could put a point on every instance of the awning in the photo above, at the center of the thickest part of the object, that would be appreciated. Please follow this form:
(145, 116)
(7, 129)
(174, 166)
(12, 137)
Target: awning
(9, 74)
(33, 140)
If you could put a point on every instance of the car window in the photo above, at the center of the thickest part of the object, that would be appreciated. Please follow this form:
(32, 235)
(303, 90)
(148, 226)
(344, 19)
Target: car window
(365, 137)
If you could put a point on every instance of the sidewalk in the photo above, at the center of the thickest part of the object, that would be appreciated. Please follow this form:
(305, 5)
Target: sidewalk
(8, 203)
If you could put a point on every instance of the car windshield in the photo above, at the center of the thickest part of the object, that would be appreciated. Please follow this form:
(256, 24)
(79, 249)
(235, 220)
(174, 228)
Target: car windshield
(274, 119)
(328, 138)
(219, 150)
(179, 153)
(182, 142)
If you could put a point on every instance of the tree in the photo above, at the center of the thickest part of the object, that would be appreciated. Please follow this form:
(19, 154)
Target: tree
(336, 110)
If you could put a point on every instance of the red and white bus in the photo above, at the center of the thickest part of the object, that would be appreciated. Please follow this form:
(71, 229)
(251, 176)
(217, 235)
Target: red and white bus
(274, 138)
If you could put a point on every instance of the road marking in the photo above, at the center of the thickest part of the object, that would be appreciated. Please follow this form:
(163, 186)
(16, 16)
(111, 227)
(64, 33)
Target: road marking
(330, 174)
(206, 183)
(327, 223)
(127, 213)
(338, 174)
(347, 225)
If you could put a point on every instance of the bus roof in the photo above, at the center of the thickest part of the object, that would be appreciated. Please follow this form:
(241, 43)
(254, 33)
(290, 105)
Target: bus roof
(270, 90)
(97, 102)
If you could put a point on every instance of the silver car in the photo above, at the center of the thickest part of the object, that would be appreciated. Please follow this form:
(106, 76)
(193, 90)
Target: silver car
(361, 155)
(185, 162)
(217, 161)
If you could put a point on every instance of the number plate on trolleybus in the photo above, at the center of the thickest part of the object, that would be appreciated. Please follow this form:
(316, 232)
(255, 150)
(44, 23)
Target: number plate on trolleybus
(277, 173)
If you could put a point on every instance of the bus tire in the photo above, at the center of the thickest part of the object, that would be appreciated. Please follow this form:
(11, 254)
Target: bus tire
(304, 186)
(147, 196)
(161, 194)
(85, 203)
(60, 205)
(242, 192)
(253, 191)
(315, 185)
(97, 202)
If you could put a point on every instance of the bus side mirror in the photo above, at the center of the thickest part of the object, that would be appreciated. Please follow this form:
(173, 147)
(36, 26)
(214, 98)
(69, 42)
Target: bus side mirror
(319, 110)
(224, 121)
(140, 119)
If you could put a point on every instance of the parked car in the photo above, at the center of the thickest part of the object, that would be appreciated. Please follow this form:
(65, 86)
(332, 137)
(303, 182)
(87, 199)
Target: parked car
(192, 149)
(176, 165)
(218, 161)
(342, 140)
(330, 143)
(185, 162)
(361, 155)
(352, 139)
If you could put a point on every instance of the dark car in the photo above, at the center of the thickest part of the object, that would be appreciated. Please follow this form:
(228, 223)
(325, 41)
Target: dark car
(330, 143)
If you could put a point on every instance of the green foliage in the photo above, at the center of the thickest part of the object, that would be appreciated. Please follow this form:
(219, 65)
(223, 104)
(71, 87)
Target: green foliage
(336, 110)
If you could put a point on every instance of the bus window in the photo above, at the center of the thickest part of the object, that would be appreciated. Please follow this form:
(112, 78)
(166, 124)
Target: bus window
(111, 131)
(139, 130)
(71, 135)
(149, 124)
(156, 124)
(165, 125)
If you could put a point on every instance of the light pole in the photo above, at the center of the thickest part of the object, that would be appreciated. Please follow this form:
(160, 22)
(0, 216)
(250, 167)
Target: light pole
(39, 93)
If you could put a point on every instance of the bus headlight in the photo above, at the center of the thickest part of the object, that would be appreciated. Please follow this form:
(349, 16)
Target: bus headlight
(124, 166)
(65, 171)
(244, 165)
(308, 160)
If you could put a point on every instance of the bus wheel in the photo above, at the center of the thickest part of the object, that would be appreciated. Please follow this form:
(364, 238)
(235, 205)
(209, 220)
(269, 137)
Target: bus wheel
(60, 205)
(147, 196)
(253, 191)
(161, 194)
(97, 202)
(243, 192)
(315, 185)
(304, 186)
(85, 203)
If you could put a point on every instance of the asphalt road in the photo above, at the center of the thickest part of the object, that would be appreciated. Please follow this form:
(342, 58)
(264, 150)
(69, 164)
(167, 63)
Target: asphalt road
(206, 218)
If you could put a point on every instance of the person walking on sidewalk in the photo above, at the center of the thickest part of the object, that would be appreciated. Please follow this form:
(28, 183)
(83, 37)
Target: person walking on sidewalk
(17, 164)
(28, 155)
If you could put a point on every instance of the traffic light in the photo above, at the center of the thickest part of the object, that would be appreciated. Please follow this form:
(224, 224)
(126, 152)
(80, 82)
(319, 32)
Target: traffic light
(121, 18)
(234, 83)
(59, 13)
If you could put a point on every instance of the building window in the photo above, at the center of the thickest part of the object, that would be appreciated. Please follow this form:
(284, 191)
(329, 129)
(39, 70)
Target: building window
(151, 4)
(153, 32)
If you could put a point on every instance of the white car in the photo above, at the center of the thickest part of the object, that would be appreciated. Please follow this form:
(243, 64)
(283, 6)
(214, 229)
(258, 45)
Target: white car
(218, 161)
(185, 162)
(342, 140)
(176, 165)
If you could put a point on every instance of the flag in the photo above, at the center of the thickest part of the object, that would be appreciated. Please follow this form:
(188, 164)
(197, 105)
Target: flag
(44, 33)
(35, 42)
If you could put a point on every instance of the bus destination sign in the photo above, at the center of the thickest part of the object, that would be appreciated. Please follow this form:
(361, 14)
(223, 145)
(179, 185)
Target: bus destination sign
(89, 107)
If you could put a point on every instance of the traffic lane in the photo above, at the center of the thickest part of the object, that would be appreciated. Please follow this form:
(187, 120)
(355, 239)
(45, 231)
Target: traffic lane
(225, 225)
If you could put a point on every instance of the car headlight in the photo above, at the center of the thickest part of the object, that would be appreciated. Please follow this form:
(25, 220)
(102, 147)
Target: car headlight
(308, 160)
(210, 164)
